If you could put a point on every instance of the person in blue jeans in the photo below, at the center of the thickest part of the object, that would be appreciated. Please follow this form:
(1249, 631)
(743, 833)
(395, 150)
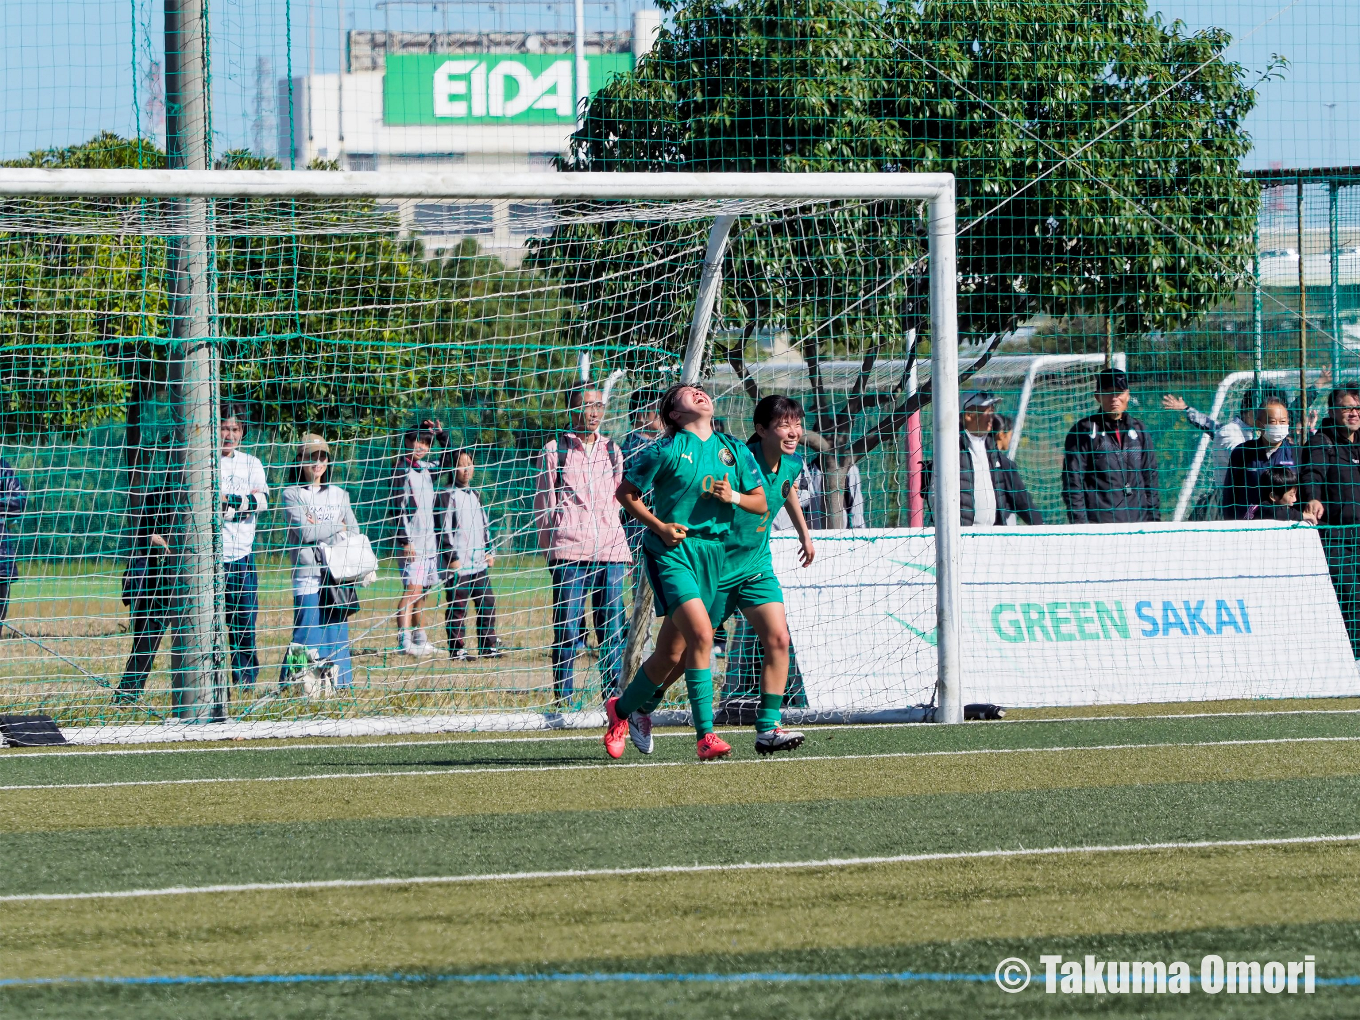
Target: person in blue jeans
(573, 583)
(317, 513)
(245, 495)
(580, 531)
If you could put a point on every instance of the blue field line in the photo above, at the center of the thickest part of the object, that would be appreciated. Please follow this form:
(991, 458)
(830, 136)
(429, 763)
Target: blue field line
(491, 979)
(624, 977)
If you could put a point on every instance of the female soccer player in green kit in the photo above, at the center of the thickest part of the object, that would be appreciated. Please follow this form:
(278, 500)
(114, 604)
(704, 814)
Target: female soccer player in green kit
(749, 583)
(700, 480)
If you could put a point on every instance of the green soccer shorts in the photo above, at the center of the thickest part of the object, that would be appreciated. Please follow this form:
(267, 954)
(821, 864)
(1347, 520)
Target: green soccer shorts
(755, 589)
(692, 570)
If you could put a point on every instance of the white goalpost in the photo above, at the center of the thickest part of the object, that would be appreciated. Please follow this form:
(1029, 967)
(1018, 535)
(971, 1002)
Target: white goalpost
(107, 204)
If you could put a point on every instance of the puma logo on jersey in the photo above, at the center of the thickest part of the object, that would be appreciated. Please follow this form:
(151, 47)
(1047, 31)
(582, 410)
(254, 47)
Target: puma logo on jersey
(686, 456)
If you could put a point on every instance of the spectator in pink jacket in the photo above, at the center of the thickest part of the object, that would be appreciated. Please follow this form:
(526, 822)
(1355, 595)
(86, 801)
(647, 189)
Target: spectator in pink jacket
(579, 529)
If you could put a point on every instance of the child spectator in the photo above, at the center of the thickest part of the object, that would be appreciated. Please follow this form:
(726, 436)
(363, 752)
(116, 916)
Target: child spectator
(412, 508)
(1280, 491)
(466, 557)
(1001, 432)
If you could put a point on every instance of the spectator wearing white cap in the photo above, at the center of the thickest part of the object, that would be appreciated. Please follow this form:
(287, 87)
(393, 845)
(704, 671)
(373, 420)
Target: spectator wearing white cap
(991, 492)
(317, 513)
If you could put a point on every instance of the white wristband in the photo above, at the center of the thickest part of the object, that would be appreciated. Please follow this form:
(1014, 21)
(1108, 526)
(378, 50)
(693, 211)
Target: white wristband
(733, 496)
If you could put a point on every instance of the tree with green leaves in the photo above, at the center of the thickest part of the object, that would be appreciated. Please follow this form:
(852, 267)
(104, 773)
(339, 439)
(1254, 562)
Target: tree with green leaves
(1095, 148)
(328, 316)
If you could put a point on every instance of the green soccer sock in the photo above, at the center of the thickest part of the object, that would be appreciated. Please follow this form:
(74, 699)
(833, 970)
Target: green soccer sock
(658, 696)
(637, 694)
(767, 715)
(699, 683)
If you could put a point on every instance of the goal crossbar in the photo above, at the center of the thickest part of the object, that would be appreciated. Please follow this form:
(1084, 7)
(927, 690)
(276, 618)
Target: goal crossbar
(937, 190)
(461, 185)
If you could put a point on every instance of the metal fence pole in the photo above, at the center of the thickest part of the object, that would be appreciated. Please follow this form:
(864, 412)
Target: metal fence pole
(198, 692)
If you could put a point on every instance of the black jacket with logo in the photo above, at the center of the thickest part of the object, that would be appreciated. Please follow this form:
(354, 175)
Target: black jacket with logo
(1110, 472)
(1331, 474)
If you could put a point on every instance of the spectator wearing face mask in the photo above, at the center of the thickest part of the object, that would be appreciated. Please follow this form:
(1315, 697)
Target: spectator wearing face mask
(1244, 484)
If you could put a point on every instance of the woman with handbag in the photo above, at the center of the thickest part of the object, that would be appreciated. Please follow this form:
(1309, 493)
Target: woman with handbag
(318, 514)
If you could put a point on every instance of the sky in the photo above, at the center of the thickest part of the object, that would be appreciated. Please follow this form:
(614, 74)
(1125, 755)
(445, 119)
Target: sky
(72, 68)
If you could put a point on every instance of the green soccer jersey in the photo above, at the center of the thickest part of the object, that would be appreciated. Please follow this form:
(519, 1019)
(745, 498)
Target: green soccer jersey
(681, 469)
(748, 543)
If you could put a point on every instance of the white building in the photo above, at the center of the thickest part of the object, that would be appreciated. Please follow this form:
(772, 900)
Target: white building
(497, 101)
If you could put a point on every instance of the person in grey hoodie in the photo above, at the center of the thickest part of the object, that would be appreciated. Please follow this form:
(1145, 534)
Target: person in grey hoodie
(317, 512)
(466, 557)
(412, 510)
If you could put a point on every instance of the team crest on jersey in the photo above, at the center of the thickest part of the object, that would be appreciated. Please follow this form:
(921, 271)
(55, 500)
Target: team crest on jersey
(725, 455)
(787, 486)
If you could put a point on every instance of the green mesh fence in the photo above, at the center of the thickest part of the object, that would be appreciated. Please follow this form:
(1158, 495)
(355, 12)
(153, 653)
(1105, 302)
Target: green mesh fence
(1169, 199)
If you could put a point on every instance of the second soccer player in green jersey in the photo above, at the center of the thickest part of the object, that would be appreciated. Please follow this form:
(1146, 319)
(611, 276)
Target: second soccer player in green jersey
(749, 584)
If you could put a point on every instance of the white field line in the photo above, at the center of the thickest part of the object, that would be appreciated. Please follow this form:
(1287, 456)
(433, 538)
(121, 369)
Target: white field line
(341, 742)
(590, 767)
(457, 740)
(680, 869)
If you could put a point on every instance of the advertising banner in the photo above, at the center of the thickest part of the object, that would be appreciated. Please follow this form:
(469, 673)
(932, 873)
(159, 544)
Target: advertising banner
(490, 88)
(1081, 615)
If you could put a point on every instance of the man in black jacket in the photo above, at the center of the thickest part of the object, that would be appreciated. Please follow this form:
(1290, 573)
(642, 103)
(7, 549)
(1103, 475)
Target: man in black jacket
(1109, 464)
(988, 479)
(1330, 483)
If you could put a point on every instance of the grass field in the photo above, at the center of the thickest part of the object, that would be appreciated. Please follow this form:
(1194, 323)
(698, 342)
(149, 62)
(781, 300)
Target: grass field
(878, 872)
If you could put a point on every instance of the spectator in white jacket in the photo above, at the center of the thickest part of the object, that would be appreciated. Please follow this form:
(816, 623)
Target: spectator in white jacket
(580, 531)
(466, 556)
(317, 513)
(245, 493)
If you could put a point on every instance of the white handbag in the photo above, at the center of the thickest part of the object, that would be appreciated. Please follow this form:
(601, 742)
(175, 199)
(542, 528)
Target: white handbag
(350, 558)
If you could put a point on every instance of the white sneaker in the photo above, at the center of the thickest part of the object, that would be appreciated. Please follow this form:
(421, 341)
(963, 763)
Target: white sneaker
(778, 739)
(425, 649)
(640, 732)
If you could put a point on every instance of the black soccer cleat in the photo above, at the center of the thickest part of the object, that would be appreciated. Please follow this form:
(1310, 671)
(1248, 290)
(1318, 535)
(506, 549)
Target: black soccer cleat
(778, 739)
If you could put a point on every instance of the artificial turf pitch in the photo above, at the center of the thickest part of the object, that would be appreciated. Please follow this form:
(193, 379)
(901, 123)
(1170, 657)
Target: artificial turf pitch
(603, 910)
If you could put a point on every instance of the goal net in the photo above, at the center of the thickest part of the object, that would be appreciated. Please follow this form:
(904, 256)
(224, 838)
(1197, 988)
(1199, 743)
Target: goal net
(177, 366)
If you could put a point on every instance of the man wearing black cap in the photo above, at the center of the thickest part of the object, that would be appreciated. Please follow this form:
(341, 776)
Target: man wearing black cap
(991, 492)
(1109, 465)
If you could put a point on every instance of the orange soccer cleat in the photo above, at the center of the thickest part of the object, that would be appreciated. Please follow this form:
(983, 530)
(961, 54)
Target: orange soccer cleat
(617, 735)
(712, 746)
